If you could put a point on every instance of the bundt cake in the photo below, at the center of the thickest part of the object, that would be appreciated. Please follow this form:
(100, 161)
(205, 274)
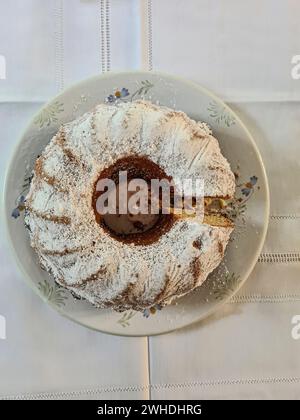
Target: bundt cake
(128, 263)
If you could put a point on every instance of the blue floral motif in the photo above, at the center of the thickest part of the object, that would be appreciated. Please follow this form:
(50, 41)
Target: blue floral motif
(246, 191)
(111, 99)
(151, 311)
(146, 313)
(119, 94)
(248, 186)
(237, 206)
(124, 92)
(15, 213)
(20, 205)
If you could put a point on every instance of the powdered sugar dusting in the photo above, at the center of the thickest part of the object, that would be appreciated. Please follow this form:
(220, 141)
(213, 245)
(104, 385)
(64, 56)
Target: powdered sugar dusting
(78, 252)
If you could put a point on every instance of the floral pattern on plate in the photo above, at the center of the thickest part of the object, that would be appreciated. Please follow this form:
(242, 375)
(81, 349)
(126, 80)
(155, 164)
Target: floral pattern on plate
(174, 93)
(49, 114)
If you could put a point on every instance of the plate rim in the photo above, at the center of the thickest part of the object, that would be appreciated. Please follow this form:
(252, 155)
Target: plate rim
(110, 75)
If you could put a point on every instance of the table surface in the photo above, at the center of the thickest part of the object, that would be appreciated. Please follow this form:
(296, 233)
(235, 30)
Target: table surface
(249, 349)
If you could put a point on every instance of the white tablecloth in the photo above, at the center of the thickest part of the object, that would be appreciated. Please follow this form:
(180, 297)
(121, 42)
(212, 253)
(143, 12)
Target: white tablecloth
(243, 52)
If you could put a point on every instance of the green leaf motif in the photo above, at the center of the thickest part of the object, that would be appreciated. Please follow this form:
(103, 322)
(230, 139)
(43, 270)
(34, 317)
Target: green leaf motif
(49, 114)
(220, 114)
(225, 286)
(146, 85)
(27, 182)
(53, 293)
(125, 318)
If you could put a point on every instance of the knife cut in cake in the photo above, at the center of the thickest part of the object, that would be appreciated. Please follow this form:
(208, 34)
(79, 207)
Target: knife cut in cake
(126, 261)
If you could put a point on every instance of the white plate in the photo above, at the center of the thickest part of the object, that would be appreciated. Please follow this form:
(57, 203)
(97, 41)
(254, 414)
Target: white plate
(236, 144)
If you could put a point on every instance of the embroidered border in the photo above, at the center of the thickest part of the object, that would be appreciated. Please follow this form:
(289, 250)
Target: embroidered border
(59, 44)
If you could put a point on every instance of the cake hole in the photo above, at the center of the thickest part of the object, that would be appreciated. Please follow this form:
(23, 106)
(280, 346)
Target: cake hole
(130, 224)
(133, 227)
